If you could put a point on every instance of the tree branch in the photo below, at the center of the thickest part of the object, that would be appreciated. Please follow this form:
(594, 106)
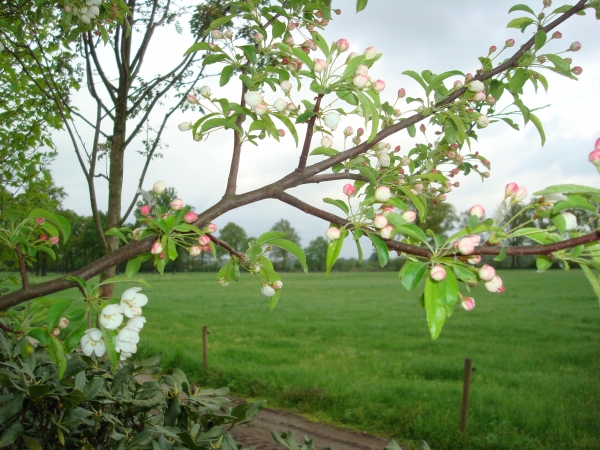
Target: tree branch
(334, 177)
(538, 249)
(237, 150)
(309, 134)
(227, 247)
(91, 50)
(22, 269)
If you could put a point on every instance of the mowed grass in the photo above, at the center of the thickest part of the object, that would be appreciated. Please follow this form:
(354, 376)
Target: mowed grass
(354, 349)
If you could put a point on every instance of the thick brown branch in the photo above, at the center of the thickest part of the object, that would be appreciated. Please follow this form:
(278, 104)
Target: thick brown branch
(335, 177)
(539, 249)
(237, 150)
(22, 269)
(309, 134)
(227, 247)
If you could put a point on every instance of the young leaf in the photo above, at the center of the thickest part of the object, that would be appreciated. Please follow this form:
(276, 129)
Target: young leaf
(265, 238)
(383, 254)
(436, 310)
(415, 76)
(361, 4)
(226, 75)
(56, 310)
(538, 124)
(333, 252)
(412, 274)
(339, 203)
(293, 248)
(501, 256)
(593, 279)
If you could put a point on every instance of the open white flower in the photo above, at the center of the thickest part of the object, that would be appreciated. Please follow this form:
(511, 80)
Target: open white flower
(132, 299)
(127, 340)
(136, 324)
(92, 342)
(111, 317)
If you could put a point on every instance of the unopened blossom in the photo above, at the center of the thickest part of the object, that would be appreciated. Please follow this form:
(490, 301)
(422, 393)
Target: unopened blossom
(63, 323)
(438, 273)
(190, 217)
(341, 45)
(253, 98)
(547, 3)
(509, 42)
(111, 317)
(362, 70)
(349, 190)
(370, 52)
(348, 131)
(267, 291)
(259, 38)
(281, 132)
(145, 210)
(466, 246)
(261, 109)
(477, 211)
(594, 157)
(521, 193)
(132, 298)
(468, 303)
(492, 49)
(319, 65)
(332, 120)
(556, 35)
(479, 96)
(39, 220)
(159, 187)
(380, 221)
(401, 93)
(409, 216)
(205, 91)
(203, 240)
(379, 86)
(191, 99)
(475, 238)
(286, 86)
(185, 126)
(577, 70)
(570, 220)
(333, 234)
(386, 232)
(211, 228)
(490, 99)
(53, 240)
(177, 204)
(44, 237)
(280, 105)
(382, 194)
(289, 41)
(360, 81)
(156, 248)
(474, 259)
(92, 342)
(494, 285)
(511, 189)
(575, 46)
(216, 34)
(476, 86)
(483, 121)
(422, 128)
(384, 160)
(195, 250)
(85, 19)
(487, 272)
(326, 142)
(350, 56)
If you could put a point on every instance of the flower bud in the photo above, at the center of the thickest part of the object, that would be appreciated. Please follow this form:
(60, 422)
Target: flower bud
(422, 128)
(185, 126)
(547, 3)
(465, 245)
(332, 120)
(509, 42)
(569, 60)
(223, 282)
(159, 187)
(511, 189)
(205, 91)
(521, 193)
(267, 291)
(438, 273)
(253, 98)
(341, 45)
(164, 216)
(326, 142)
(319, 65)
(490, 99)
(483, 121)
(570, 220)
(63, 323)
(44, 237)
(281, 132)
(280, 105)
(191, 99)
(409, 216)
(486, 272)
(190, 217)
(556, 35)
(362, 70)
(350, 56)
(84, 18)
(348, 131)
(575, 46)
(494, 285)
(54, 240)
(594, 157)
(382, 194)
(360, 81)
(289, 41)
(386, 232)
(216, 34)
(477, 211)
(370, 52)
(277, 284)
(401, 93)
(40, 220)
(468, 303)
(380, 221)
(286, 86)
(259, 38)
(479, 96)
(56, 332)
(458, 84)
(474, 259)
(379, 86)
(177, 204)
(195, 250)
(577, 70)
(475, 86)
(360, 132)
(349, 190)
(492, 49)
(156, 248)
(211, 228)
(333, 234)
(261, 109)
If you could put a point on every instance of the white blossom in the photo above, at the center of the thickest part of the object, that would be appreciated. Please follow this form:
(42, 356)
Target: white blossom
(111, 317)
(132, 298)
(92, 342)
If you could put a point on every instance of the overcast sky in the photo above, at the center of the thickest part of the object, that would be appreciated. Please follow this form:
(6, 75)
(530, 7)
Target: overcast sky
(429, 34)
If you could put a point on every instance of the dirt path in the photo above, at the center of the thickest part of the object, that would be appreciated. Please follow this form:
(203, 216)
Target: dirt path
(258, 433)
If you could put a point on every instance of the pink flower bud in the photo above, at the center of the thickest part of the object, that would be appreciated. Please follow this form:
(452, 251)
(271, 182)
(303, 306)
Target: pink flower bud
(360, 81)
(387, 210)
(190, 217)
(468, 303)
(203, 240)
(494, 285)
(159, 187)
(63, 323)
(511, 189)
(474, 259)
(40, 220)
(477, 211)
(401, 93)
(350, 56)
(349, 190)
(156, 248)
(577, 70)
(521, 193)
(360, 132)
(164, 216)
(490, 99)
(216, 34)
(192, 99)
(44, 237)
(348, 131)
(177, 204)
(286, 86)
(326, 142)
(382, 194)
(56, 332)
(509, 42)
(422, 127)
(211, 228)
(409, 216)
(594, 157)
(475, 238)
(479, 96)
(319, 65)
(341, 45)
(547, 3)
(466, 246)
(575, 46)
(570, 220)
(370, 52)
(261, 109)
(161, 256)
(281, 132)
(333, 234)
(386, 232)
(195, 250)
(556, 35)
(458, 84)
(379, 86)
(277, 285)
(259, 38)
(145, 210)
(53, 240)
(476, 86)
(468, 77)
(438, 273)
(493, 49)
(487, 272)
(569, 60)
(380, 221)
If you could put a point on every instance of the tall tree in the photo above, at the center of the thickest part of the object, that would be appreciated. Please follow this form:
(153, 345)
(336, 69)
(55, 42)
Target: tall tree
(441, 218)
(316, 254)
(235, 236)
(286, 227)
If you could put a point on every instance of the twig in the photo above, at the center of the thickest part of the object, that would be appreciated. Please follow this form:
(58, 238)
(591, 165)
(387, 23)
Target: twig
(335, 177)
(237, 150)
(22, 269)
(227, 247)
(309, 134)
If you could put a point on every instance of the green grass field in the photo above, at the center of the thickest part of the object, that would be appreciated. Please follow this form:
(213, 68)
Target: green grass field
(354, 349)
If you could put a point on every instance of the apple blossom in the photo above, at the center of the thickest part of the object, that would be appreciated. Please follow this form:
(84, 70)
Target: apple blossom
(203, 240)
(332, 120)
(92, 342)
(511, 189)
(474, 259)
(475, 238)
(195, 250)
(185, 126)
(111, 317)
(594, 157)
(575, 46)
(190, 217)
(401, 93)
(131, 299)
(267, 291)
(483, 121)
(479, 96)
(370, 52)
(63, 323)
(577, 70)
(159, 187)
(384, 160)
(476, 86)
(379, 86)
(520, 194)
(211, 228)
(492, 49)
(253, 98)
(509, 42)
(55, 332)
(145, 210)
(319, 65)
(156, 248)
(44, 237)
(326, 142)
(39, 220)
(286, 86)
(205, 91)
(280, 105)
(438, 273)
(409, 216)
(494, 285)
(380, 221)
(360, 81)
(177, 204)
(386, 232)
(487, 272)
(477, 211)
(281, 132)
(341, 45)
(466, 246)
(570, 220)
(333, 234)
(349, 190)
(192, 99)
(261, 109)
(84, 18)
(126, 341)
(277, 284)
(53, 240)
(556, 35)
(468, 303)
(382, 194)
(362, 70)
(259, 38)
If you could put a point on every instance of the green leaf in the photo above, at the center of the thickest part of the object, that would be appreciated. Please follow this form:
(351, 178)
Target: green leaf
(219, 22)
(11, 434)
(593, 279)
(559, 62)
(339, 203)
(413, 232)
(48, 251)
(412, 274)
(247, 81)
(560, 223)
(518, 80)
(465, 274)
(133, 266)
(333, 252)
(543, 262)
(265, 238)
(520, 23)
(56, 311)
(329, 152)
(288, 123)
(449, 289)
(501, 256)
(522, 7)
(361, 4)
(535, 234)
(573, 201)
(304, 116)
(57, 354)
(302, 56)
(383, 254)
(293, 248)
(226, 75)
(540, 39)
(538, 124)
(9, 407)
(115, 232)
(395, 201)
(273, 300)
(412, 131)
(568, 189)
(415, 76)
(439, 78)
(198, 46)
(436, 310)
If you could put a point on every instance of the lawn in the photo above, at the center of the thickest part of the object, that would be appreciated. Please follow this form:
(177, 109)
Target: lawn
(354, 349)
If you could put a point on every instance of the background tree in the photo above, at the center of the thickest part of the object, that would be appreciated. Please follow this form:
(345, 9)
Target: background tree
(316, 254)
(441, 218)
(235, 236)
(291, 234)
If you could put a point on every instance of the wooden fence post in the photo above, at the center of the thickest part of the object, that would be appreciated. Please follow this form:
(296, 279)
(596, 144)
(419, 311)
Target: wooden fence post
(204, 346)
(464, 410)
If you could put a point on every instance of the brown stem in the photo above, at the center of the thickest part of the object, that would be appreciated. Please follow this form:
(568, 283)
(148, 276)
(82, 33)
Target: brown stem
(237, 150)
(22, 269)
(335, 177)
(6, 328)
(538, 249)
(309, 134)
(227, 247)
